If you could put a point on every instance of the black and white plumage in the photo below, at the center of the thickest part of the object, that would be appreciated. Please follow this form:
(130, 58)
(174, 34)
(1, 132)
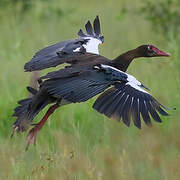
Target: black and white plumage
(58, 53)
(127, 99)
(86, 75)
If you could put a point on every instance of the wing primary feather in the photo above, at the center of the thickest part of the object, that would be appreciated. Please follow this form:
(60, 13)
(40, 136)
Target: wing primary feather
(136, 114)
(126, 116)
(161, 111)
(153, 112)
(105, 102)
(81, 33)
(102, 98)
(119, 108)
(110, 107)
(167, 108)
(116, 99)
(97, 28)
(21, 102)
(112, 103)
(144, 113)
(89, 29)
(159, 107)
(32, 90)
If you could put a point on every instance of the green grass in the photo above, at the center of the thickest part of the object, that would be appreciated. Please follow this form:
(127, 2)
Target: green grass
(77, 142)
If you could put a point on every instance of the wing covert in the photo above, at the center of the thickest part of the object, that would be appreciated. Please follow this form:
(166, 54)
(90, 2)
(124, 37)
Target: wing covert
(56, 54)
(79, 88)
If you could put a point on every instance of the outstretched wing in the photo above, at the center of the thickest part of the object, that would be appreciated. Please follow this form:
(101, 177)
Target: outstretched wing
(56, 54)
(78, 88)
(128, 101)
(68, 50)
(78, 84)
(76, 65)
(93, 32)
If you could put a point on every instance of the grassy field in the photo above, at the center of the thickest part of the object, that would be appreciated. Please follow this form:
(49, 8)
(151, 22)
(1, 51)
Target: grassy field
(77, 143)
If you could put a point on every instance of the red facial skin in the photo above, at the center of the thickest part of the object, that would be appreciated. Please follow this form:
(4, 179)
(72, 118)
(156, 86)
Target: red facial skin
(158, 52)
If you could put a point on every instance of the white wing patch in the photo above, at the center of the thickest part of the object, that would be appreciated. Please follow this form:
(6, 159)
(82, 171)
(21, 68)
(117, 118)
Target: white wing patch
(77, 49)
(92, 45)
(131, 80)
(135, 86)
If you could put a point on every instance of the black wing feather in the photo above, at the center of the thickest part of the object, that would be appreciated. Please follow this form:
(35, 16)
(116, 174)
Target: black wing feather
(103, 100)
(94, 33)
(119, 109)
(136, 113)
(161, 111)
(113, 105)
(97, 28)
(144, 112)
(89, 29)
(153, 113)
(81, 33)
(129, 103)
(79, 88)
(126, 114)
(56, 54)
(106, 107)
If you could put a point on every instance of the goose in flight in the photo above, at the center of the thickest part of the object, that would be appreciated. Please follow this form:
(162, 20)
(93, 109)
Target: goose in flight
(87, 74)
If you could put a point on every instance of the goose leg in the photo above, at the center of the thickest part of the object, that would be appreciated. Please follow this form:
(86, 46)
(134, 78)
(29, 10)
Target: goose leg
(33, 132)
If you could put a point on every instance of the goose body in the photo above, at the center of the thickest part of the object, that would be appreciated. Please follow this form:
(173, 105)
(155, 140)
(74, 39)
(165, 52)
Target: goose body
(87, 75)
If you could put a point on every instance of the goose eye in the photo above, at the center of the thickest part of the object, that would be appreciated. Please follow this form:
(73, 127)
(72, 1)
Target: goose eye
(150, 48)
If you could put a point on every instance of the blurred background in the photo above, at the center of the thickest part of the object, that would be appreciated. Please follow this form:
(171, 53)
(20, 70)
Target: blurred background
(77, 142)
